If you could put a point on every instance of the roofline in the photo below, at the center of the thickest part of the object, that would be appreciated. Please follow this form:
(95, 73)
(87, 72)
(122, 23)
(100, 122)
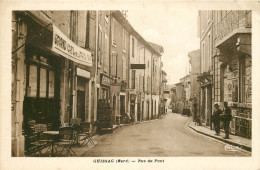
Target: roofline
(125, 23)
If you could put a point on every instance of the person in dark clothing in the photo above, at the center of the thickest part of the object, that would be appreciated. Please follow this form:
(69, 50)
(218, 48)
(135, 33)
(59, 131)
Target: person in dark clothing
(216, 118)
(227, 117)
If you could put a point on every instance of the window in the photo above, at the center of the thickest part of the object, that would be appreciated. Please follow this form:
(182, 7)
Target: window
(51, 84)
(203, 58)
(133, 47)
(209, 52)
(114, 64)
(43, 82)
(113, 32)
(100, 46)
(106, 52)
(32, 88)
(39, 103)
(82, 28)
(124, 40)
(133, 79)
(242, 80)
(97, 94)
(124, 68)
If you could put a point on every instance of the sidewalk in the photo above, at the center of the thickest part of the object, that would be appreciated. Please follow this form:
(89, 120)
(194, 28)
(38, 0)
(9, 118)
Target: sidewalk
(241, 142)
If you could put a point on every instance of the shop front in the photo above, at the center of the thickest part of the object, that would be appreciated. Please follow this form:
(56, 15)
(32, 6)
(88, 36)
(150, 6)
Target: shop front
(41, 100)
(205, 99)
(132, 107)
(83, 95)
(47, 92)
(104, 87)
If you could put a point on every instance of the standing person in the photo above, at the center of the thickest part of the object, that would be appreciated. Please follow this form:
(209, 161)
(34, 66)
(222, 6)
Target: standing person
(227, 117)
(216, 118)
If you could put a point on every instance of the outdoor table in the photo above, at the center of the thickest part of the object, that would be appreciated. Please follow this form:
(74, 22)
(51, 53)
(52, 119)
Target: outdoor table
(53, 134)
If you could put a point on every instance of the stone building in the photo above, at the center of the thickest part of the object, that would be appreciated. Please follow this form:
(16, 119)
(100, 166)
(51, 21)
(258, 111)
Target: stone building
(233, 67)
(119, 65)
(64, 62)
(53, 74)
(194, 60)
(229, 55)
(205, 31)
(179, 97)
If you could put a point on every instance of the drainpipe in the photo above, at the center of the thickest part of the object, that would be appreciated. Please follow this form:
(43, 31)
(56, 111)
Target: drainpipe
(96, 64)
(151, 86)
(144, 87)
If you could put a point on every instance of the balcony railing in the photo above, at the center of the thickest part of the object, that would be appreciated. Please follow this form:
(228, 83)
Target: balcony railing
(232, 21)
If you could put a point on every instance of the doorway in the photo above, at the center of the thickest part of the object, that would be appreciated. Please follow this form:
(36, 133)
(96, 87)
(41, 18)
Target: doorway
(81, 105)
(148, 110)
(138, 111)
(122, 105)
(142, 117)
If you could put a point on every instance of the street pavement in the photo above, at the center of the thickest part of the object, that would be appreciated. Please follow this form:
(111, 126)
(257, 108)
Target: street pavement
(169, 136)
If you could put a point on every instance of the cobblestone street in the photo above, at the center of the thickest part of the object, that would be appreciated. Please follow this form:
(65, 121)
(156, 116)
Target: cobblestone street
(168, 136)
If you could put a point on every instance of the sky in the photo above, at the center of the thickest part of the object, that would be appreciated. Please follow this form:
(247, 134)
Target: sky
(175, 30)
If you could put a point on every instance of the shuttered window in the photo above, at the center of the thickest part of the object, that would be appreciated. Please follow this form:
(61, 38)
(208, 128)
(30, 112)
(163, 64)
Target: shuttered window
(114, 64)
(133, 79)
(124, 68)
(82, 27)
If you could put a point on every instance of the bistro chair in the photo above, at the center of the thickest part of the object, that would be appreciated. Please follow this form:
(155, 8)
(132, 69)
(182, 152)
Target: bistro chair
(38, 141)
(76, 125)
(66, 140)
(92, 132)
(84, 132)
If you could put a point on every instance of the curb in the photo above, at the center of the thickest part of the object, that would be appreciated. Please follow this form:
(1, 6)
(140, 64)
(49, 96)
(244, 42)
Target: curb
(247, 148)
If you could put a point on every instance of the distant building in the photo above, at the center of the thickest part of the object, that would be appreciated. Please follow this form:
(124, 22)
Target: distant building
(179, 102)
(194, 60)
(173, 99)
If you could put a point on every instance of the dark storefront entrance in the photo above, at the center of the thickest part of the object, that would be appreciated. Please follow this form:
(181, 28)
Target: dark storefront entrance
(41, 101)
(132, 106)
(148, 109)
(122, 105)
(81, 105)
(138, 111)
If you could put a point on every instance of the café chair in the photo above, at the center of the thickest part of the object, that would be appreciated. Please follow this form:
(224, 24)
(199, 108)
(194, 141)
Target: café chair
(38, 141)
(84, 132)
(93, 130)
(76, 125)
(66, 140)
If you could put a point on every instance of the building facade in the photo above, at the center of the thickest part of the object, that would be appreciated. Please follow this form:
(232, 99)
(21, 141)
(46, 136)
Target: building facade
(233, 67)
(119, 65)
(205, 78)
(180, 97)
(52, 71)
(65, 62)
(230, 58)
(194, 60)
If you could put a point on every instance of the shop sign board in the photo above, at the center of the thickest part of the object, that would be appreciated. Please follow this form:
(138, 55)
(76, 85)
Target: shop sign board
(62, 45)
(137, 66)
(105, 80)
(83, 73)
(132, 97)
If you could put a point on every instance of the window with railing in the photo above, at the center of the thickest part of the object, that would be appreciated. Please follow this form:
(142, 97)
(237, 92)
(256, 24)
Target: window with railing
(232, 20)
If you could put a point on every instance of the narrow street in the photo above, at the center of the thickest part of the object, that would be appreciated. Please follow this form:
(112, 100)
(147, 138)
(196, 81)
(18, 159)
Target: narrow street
(168, 136)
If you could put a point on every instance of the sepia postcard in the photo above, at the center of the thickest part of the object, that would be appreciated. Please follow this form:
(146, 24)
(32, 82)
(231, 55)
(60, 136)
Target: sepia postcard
(129, 84)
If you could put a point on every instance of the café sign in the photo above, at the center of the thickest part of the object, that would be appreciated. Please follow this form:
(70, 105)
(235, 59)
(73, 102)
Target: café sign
(62, 45)
(105, 80)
